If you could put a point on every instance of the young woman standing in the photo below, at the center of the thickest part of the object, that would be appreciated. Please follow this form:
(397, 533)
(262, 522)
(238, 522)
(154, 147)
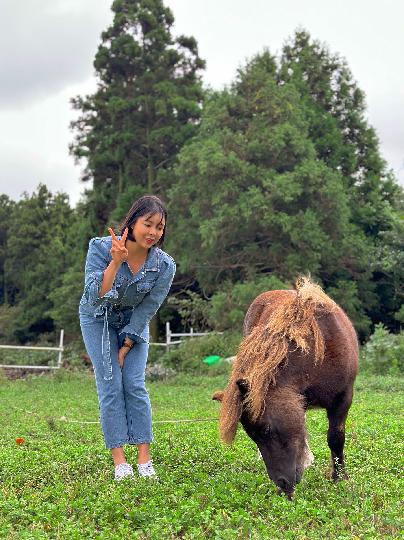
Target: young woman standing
(127, 278)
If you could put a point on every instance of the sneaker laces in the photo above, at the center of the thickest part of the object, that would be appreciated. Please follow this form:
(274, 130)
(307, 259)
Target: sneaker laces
(146, 469)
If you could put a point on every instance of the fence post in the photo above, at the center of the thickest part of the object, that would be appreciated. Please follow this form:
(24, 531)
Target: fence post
(61, 347)
(168, 335)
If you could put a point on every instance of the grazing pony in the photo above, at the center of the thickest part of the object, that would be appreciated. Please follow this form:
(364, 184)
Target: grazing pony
(299, 350)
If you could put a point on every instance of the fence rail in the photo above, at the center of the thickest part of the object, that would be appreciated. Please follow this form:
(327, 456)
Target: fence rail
(24, 347)
(168, 342)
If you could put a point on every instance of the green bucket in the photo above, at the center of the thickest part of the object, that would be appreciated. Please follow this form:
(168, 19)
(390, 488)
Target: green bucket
(211, 360)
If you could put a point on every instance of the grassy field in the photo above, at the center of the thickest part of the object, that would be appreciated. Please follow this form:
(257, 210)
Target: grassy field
(59, 482)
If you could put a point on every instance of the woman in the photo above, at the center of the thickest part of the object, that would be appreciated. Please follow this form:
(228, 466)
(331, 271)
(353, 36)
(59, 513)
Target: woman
(127, 278)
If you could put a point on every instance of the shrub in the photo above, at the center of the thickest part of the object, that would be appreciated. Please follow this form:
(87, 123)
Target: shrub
(228, 307)
(8, 315)
(187, 357)
(384, 352)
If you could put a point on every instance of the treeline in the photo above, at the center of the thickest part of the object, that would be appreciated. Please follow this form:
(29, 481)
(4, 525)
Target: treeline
(277, 175)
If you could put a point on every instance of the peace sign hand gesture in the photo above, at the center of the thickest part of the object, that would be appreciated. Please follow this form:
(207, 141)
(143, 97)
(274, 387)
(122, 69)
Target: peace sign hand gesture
(118, 250)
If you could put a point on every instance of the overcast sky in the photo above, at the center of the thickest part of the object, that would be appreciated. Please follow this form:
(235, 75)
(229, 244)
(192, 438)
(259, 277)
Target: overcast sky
(47, 48)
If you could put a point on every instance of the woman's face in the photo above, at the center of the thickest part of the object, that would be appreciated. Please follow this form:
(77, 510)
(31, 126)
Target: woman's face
(148, 229)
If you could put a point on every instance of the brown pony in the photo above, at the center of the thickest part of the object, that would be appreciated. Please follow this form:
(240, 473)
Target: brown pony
(299, 350)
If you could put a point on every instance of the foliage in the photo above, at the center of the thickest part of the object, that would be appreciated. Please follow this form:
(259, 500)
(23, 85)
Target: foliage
(6, 207)
(228, 306)
(65, 298)
(192, 308)
(384, 352)
(59, 482)
(335, 109)
(36, 257)
(278, 175)
(146, 105)
(285, 177)
(8, 316)
(388, 272)
(187, 357)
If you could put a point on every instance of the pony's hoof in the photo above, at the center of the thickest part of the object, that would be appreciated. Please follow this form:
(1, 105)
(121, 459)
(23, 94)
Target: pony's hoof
(337, 475)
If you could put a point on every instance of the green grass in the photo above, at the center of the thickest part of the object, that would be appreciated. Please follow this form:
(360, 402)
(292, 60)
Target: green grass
(59, 483)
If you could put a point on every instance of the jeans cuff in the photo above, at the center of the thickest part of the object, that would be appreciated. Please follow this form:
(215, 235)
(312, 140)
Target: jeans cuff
(129, 440)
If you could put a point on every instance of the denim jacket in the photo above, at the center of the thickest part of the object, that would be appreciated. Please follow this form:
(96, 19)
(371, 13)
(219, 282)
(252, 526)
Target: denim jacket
(133, 299)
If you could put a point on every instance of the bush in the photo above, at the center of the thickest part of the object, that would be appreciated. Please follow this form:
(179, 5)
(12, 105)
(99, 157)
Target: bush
(383, 354)
(8, 315)
(187, 357)
(228, 307)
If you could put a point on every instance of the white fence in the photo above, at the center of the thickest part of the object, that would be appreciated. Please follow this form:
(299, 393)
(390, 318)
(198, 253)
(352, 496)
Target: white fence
(170, 335)
(58, 349)
(168, 342)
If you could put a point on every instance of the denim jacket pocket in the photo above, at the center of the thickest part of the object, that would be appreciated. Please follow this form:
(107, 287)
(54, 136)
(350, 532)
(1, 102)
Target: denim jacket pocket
(145, 286)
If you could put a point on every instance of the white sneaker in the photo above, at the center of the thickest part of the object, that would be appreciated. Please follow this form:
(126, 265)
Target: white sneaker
(122, 470)
(146, 470)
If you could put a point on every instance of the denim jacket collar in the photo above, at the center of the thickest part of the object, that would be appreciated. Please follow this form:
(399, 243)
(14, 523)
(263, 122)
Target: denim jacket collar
(152, 262)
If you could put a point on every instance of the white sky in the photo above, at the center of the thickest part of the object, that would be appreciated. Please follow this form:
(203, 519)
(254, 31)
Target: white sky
(47, 48)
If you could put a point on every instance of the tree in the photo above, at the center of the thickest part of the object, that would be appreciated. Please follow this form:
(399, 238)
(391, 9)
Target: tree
(335, 110)
(36, 254)
(147, 104)
(65, 296)
(251, 197)
(6, 208)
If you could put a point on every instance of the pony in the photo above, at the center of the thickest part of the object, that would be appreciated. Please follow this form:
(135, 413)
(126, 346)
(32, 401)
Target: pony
(299, 350)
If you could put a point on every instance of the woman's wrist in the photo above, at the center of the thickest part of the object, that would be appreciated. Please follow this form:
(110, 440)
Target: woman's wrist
(115, 264)
(127, 342)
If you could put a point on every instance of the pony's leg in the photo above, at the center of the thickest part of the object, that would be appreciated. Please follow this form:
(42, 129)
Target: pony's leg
(336, 433)
(308, 459)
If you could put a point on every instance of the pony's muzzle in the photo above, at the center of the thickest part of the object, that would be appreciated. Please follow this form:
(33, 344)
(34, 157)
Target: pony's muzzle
(285, 487)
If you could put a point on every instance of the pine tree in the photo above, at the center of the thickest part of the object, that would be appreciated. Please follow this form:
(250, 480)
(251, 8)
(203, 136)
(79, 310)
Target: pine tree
(147, 104)
(256, 193)
(36, 253)
(250, 196)
(6, 207)
(335, 109)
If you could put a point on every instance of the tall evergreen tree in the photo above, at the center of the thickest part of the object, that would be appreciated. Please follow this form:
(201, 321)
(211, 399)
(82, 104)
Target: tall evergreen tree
(250, 192)
(146, 106)
(6, 207)
(36, 257)
(335, 109)
(255, 194)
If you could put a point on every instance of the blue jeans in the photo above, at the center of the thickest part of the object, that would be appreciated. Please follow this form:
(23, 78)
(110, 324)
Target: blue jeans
(125, 411)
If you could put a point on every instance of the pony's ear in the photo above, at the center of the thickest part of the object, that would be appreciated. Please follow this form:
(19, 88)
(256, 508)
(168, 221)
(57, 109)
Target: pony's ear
(243, 386)
(218, 396)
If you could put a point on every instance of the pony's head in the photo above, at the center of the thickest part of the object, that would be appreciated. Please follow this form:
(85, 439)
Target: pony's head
(279, 432)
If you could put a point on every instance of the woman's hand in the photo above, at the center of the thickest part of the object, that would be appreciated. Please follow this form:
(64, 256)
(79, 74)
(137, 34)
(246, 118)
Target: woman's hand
(123, 351)
(118, 250)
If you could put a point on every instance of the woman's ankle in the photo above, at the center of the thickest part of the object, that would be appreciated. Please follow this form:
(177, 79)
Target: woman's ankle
(119, 462)
(118, 456)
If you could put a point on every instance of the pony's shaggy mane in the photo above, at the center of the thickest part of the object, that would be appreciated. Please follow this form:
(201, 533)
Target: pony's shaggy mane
(291, 323)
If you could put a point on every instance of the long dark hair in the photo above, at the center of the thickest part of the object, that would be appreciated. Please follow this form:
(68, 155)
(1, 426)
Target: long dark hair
(146, 205)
